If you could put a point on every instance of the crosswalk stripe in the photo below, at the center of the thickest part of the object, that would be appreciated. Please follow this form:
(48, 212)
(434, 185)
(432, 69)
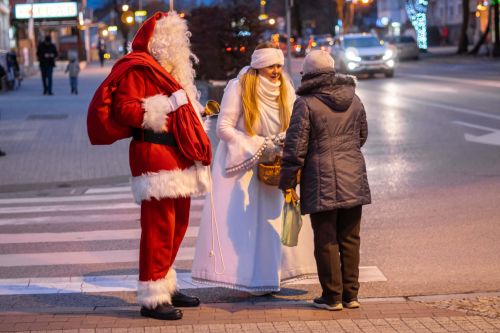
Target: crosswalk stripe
(81, 236)
(59, 219)
(66, 208)
(110, 283)
(75, 198)
(81, 257)
(194, 215)
(115, 189)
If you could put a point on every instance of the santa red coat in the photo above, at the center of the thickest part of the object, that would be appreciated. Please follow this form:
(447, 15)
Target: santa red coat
(136, 91)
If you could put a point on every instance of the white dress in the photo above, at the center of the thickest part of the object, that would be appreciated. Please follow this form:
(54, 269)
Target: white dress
(246, 254)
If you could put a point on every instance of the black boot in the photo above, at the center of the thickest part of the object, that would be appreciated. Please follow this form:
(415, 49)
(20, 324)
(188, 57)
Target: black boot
(184, 301)
(163, 312)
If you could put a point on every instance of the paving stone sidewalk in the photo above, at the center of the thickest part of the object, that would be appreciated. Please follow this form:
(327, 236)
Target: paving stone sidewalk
(289, 316)
(484, 305)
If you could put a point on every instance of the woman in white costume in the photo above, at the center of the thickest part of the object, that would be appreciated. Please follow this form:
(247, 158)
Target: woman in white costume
(239, 247)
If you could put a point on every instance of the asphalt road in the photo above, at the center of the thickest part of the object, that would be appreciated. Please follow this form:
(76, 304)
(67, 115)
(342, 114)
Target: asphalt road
(433, 159)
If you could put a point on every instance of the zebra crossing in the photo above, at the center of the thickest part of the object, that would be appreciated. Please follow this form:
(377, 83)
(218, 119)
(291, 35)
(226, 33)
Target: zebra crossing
(85, 243)
(40, 232)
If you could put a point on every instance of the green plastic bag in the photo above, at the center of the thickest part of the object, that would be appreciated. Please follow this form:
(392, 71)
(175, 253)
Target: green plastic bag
(291, 221)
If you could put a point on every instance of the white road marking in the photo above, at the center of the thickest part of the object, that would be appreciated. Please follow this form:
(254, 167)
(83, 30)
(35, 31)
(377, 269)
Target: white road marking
(81, 236)
(492, 138)
(75, 198)
(80, 257)
(92, 218)
(110, 283)
(67, 208)
(484, 83)
(99, 190)
(456, 109)
(194, 215)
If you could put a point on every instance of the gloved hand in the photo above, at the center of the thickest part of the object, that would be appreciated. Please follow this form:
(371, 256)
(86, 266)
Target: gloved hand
(291, 196)
(177, 99)
(271, 151)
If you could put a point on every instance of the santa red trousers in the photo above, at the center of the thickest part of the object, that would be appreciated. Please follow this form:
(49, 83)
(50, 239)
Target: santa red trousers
(163, 226)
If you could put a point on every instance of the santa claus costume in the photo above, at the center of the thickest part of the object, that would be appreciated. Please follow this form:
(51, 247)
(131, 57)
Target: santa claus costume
(150, 95)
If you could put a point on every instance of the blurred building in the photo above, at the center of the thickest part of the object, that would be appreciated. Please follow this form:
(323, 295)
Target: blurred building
(392, 17)
(33, 20)
(445, 21)
(4, 32)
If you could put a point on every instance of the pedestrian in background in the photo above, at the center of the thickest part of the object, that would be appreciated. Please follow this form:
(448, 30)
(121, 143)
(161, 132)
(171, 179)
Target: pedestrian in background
(327, 129)
(47, 54)
(13, 71)
(73, 68)
(101, 45)
(255, 113)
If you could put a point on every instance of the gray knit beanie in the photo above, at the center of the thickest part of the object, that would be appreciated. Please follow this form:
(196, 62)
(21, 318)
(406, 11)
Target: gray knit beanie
(317, 60)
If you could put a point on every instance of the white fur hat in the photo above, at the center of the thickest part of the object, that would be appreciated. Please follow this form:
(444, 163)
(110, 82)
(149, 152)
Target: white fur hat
(317, 60)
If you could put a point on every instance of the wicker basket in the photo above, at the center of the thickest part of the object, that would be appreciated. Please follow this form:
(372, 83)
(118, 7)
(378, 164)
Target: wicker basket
(269, 173)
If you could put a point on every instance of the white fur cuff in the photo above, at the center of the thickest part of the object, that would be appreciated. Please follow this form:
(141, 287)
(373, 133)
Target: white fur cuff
(156, 108)
(177, 183)
(153, 293)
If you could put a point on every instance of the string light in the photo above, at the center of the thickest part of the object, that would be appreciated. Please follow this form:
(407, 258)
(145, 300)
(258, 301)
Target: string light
(417, 12)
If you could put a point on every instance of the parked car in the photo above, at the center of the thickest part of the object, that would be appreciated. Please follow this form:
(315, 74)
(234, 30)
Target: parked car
(406, 45)
(364, 54)
(320, 42)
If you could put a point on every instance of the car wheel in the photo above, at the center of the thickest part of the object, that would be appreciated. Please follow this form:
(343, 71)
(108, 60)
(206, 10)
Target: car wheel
(389, 73)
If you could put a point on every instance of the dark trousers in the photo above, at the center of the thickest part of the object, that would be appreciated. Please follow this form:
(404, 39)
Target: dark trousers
(73, 82)
(336, 249)
(47, 78)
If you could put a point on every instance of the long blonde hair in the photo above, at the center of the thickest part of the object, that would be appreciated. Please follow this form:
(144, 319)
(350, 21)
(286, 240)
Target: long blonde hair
(249, 82)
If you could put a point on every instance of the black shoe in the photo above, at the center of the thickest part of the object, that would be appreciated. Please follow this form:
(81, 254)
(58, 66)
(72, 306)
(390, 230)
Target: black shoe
(2, 153)
(162, 312)
(322, 303)
(184, 301)
(50, 93)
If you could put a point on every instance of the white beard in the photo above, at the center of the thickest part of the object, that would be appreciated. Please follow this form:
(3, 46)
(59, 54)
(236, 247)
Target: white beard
(170, 46)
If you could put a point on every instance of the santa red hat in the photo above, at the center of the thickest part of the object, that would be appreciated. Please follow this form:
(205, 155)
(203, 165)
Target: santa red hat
(145, 32)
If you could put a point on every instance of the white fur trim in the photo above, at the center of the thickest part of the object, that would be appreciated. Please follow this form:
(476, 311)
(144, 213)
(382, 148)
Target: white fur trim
(153, 293)
(177, 183)
(156, 108)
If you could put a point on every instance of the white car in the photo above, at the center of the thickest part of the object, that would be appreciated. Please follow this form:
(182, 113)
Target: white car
(364, 54)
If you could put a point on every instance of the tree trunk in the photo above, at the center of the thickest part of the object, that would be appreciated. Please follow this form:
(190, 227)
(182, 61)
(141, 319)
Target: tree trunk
(297, 18)
(463, 42)
(496, 46)
(480, 42)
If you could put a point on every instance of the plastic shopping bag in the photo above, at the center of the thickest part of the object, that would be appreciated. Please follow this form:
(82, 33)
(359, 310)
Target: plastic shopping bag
(291, 220)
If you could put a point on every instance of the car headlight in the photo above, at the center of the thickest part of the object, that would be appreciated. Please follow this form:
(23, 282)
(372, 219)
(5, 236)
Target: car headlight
(388, 54)
(352, 54)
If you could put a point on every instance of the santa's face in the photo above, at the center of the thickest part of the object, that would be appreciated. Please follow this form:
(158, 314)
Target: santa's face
(272, 73)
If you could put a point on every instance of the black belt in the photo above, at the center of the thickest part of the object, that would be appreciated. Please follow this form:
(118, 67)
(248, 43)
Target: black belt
(146, 135)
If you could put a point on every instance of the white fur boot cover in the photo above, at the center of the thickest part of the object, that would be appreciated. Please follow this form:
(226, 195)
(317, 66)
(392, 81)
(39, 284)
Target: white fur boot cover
(153, 293)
